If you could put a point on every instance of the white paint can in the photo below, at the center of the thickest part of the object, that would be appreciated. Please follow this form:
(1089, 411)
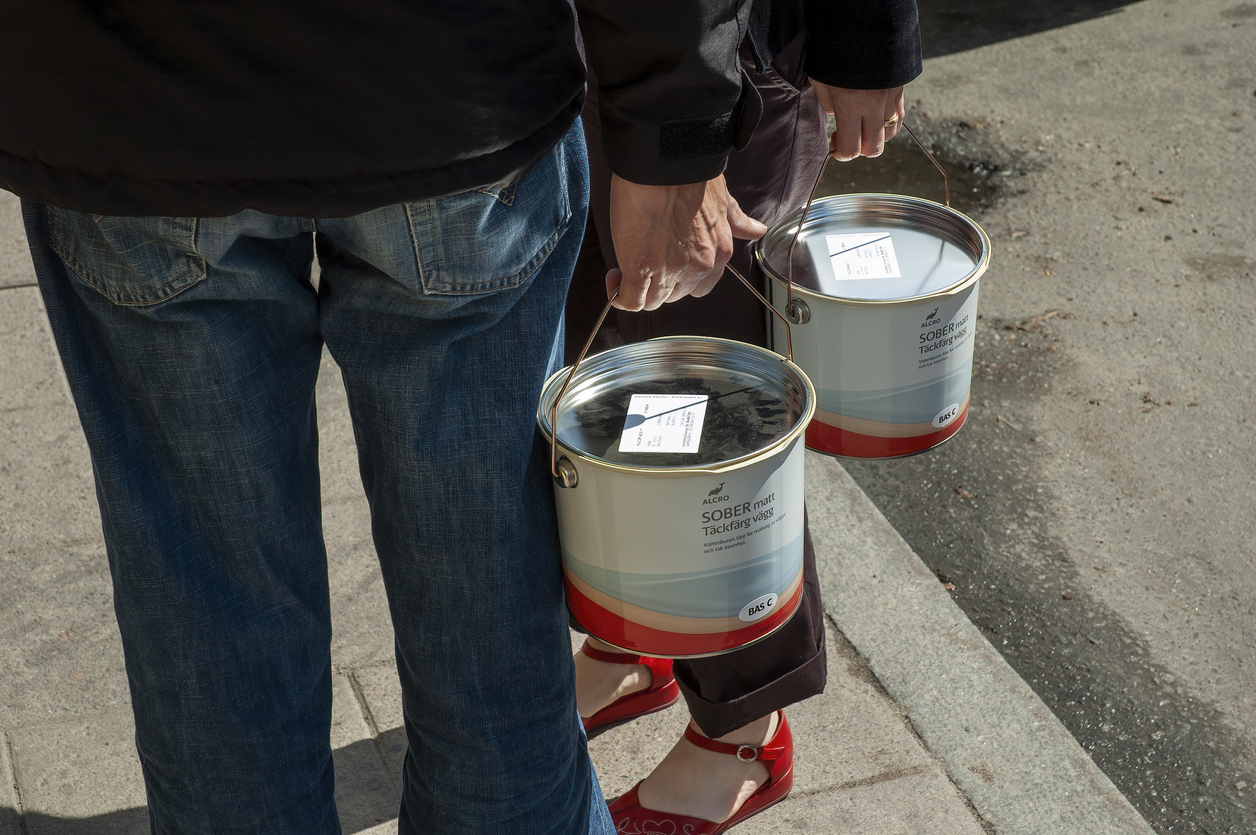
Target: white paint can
(682, 516)
(884, 306)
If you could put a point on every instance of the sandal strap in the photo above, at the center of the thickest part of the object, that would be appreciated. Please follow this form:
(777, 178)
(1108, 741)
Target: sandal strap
(767, 753)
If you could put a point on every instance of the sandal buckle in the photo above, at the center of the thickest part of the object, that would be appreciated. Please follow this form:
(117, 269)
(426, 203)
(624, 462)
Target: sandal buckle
(747, 753)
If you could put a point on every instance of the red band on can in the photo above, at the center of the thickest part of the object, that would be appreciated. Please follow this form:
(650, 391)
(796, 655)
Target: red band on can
(635, 637)
(830, 440)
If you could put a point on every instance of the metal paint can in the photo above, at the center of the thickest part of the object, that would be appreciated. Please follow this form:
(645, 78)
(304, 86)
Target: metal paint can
(681, 520)
(884, 306)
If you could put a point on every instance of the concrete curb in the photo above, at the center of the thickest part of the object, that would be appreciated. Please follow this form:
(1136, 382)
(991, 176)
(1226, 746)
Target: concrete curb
(1001, 745)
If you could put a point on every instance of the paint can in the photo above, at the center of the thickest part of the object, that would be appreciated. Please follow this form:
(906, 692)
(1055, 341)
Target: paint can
(679, 486)
(882, 295)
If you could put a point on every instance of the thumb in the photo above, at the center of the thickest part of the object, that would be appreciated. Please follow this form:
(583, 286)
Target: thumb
(613, 279)
(633, 300)
(743, 226)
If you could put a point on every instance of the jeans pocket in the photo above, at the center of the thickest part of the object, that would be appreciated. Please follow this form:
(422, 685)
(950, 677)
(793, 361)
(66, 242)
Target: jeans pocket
(129, 260)
(487, 240)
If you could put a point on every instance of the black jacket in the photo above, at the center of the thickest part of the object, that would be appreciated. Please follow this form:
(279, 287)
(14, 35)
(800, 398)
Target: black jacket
(303, 107)
(857, 44)
(331, 107)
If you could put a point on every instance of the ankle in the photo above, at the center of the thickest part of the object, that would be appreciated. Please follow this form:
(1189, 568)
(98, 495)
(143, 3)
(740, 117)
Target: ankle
(710, 785)
(602, 683)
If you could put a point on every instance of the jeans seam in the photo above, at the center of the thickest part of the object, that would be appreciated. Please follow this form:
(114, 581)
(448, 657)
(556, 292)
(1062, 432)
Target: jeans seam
(504, 195)
(414, 242)
(431, 228)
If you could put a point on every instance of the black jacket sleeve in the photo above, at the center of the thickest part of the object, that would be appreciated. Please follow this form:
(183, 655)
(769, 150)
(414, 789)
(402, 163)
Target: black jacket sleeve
(862, 44)
(669, 84)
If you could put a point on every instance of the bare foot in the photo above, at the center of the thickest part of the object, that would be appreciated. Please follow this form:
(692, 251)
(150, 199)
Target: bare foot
(704, 784)
(600, 683)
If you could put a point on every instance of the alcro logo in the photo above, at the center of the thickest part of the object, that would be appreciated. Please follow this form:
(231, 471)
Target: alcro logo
(716, 496)
(931, 320)
(758, 608)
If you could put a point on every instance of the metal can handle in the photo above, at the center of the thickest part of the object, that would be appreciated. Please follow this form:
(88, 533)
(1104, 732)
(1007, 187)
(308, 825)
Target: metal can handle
(789, 256)
(569, 478)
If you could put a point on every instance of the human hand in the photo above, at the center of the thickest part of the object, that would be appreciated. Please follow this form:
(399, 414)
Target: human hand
(861, 117)
(672, 241)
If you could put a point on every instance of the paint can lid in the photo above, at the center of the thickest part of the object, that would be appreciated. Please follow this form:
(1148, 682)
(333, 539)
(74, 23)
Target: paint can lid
(678, 403)
(876, 248)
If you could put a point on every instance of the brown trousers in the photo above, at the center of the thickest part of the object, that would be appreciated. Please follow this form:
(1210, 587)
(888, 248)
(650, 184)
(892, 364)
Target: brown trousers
(770, 177)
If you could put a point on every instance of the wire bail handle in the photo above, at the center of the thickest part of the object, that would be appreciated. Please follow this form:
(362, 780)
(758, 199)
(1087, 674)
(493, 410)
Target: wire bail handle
(800, 311)
(566, 475)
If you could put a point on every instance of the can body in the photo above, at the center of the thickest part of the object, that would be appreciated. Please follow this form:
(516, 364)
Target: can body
(882, 296)
(681, 528)
(891, 380)
(689, 565)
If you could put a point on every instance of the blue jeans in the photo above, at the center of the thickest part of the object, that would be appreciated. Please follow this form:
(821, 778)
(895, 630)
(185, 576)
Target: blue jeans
(192, 346)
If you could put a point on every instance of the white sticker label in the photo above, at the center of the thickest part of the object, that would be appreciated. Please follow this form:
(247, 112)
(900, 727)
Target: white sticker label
(663, 423)
(869, 255)
(756, 609)
(946, 415)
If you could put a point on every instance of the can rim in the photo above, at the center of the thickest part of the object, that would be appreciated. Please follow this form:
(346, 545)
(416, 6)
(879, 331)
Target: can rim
(554, 382)
(784, 228)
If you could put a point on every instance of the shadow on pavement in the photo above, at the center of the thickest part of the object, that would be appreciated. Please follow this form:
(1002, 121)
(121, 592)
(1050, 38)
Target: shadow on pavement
(363, 805)
(950, 26)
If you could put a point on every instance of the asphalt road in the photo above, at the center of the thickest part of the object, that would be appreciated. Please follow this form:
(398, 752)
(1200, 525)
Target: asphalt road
(1095, 515)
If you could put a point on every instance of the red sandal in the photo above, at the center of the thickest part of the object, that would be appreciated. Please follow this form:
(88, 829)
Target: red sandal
(662, 693)
(631, 818)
